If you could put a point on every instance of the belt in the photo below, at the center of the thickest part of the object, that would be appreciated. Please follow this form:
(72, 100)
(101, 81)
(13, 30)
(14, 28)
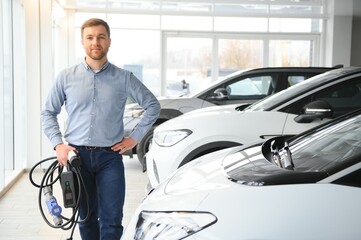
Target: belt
(94, 148)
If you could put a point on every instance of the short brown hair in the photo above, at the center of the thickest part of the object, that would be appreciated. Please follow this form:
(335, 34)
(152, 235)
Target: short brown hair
(95, 22)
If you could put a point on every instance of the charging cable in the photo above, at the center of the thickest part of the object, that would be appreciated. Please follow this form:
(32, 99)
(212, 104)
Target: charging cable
(73, 190)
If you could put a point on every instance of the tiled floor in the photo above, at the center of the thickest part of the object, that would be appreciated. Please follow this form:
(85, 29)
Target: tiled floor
(20, 218)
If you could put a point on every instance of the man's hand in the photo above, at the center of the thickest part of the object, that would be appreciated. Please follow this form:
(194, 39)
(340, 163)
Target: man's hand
(124, 145)
(62, 151)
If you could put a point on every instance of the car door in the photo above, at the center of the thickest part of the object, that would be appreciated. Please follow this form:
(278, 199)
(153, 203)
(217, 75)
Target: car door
(342, 98)
(244, 89)
(250, 88)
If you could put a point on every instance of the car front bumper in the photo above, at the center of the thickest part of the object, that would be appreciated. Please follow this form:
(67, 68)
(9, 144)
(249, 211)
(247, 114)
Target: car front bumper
(162, 161)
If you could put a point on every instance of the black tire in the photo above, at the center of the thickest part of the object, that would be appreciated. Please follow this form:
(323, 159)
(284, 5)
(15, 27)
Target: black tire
(143, 147)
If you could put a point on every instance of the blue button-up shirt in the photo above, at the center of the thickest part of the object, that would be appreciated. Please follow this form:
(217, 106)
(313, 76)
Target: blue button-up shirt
(95, 104)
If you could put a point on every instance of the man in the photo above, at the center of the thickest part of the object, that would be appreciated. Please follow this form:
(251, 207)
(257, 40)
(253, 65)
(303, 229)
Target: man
(95, 93)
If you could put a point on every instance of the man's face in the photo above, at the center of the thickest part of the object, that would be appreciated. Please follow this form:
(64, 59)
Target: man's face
(96, 42)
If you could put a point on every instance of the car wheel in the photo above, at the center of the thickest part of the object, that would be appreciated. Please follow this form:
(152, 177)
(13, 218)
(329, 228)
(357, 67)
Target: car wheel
(143, 147)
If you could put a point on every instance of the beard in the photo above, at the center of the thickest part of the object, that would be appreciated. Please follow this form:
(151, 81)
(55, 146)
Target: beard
(97, 56)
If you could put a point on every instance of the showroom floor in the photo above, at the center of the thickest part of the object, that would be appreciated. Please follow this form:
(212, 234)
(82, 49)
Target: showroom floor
(20, 217)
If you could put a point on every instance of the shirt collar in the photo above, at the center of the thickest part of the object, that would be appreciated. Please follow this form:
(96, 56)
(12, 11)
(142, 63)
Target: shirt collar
(105, 65)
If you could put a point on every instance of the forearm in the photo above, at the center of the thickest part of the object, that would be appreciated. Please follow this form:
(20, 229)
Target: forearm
(51, 128)
(149, 117)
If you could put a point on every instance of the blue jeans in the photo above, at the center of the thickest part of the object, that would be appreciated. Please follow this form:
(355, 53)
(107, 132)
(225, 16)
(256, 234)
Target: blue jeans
(103, 173)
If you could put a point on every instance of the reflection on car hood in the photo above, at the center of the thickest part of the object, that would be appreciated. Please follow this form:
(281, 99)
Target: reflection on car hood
(250, 167)
(204, 174)
(193, 183)
(230, 107)
(243, 165)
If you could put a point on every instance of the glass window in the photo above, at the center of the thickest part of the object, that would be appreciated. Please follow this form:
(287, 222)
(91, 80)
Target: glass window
(188, 59)
(305, 7)
(218, 7)
(187, 23)
(290, 53)
(239, 54)
(7, 165)
(81, 17)
(186, 6)
(239, 8)
(240, 24)
(125, 5)
(254, 86)
(140, 49)
(233, 35)
(294, 79)
(92, 3)
(135, 50)
(135, 21)
(344, 97)
(305, 25)
(328, 147)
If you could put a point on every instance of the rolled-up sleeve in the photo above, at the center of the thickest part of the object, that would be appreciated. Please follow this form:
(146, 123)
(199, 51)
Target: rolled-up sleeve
(146, 99)
(50, 112)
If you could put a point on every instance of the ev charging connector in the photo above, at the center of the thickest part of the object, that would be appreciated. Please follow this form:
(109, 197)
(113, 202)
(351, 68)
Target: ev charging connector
(67, 185)
(53, 207)
(73, 189)
(67, 182)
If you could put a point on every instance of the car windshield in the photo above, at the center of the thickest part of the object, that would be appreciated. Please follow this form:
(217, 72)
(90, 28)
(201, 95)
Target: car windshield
(329, 147)
(281, 97)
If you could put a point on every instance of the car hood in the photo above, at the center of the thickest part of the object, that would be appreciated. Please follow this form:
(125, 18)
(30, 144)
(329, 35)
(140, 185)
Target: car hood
(194, 182)
(203, 174)
(242, 165)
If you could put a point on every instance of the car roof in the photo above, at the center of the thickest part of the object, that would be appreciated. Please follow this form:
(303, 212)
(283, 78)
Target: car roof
(281, 97)
(262, 70)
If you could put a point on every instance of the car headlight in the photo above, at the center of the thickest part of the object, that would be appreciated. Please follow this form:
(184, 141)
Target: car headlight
(169, 138)
(171, 225)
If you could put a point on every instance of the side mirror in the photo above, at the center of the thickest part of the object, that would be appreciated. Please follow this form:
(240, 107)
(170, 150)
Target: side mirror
(220, 94)
(318, 109)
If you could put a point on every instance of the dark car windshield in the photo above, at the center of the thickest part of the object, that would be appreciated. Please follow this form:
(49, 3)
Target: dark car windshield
(329, 147)
(284, 96)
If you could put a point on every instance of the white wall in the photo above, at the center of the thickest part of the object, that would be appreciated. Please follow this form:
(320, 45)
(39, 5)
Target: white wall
(356, 34)
(38, 57)
(20, 87)
(338, 33)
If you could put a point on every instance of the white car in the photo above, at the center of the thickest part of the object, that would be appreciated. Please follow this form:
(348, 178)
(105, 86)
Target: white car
(306, 187)
(182, 139)
(244, 86)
